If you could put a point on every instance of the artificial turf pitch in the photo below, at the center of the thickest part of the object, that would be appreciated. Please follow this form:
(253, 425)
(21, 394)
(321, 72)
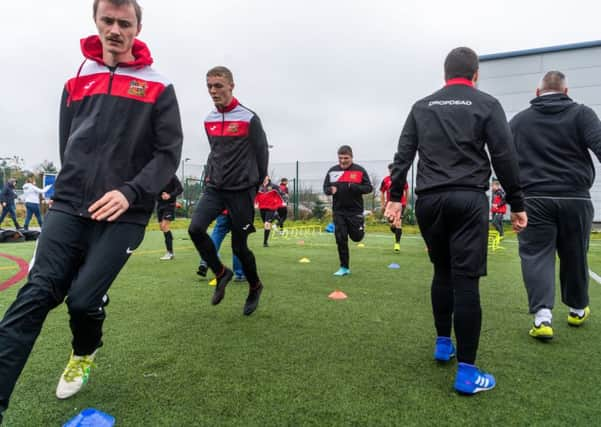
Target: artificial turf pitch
(172, 359)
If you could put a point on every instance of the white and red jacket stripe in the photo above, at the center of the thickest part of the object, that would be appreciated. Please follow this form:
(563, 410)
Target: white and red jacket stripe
(239, 151)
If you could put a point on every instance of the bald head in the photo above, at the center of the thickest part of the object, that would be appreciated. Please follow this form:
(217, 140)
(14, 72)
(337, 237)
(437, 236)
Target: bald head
(553, 81)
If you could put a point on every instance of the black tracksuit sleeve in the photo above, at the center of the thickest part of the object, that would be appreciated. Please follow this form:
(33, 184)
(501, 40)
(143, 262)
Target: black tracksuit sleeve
(403, 158)
(503, 156)
(167, 151)
(177, 188)
(365, 187)
(591, 130)
(64, 127)
(260, 145)
(327, 185)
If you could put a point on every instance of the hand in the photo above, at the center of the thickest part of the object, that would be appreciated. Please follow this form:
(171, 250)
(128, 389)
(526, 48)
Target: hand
(519, 221)
(333, 190)
(165, 196)
(393, 213)
(109, 207)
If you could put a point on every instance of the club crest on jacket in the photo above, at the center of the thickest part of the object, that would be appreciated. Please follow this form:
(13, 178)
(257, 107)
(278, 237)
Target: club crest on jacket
(137, 88)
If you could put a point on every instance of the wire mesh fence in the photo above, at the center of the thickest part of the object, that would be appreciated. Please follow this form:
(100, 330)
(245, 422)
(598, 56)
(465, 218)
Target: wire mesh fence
(305, 184)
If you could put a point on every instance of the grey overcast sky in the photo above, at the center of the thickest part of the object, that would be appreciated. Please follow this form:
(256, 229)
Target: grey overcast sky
(318, 73)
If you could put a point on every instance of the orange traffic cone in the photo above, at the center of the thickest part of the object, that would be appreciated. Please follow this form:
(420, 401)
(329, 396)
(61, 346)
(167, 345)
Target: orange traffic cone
(337, 294)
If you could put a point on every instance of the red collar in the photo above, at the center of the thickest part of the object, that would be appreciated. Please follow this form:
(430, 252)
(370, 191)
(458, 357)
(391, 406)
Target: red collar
(459, 81)
(233, 104)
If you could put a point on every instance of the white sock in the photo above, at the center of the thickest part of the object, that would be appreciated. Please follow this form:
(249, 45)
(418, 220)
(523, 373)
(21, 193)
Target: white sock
(579, 312)
(542, 315)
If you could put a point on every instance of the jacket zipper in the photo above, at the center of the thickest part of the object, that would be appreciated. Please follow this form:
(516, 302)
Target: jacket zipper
(111, 75)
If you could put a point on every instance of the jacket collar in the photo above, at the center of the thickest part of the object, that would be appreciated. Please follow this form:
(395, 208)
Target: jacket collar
(459, 81)
(91, 48)
(233, 104)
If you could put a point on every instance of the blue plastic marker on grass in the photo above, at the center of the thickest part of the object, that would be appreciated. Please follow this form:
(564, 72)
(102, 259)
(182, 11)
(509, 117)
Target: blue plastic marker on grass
(394, 266)
(91, 417)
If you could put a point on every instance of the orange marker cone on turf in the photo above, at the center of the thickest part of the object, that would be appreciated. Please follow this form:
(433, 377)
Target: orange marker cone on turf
(337, 295)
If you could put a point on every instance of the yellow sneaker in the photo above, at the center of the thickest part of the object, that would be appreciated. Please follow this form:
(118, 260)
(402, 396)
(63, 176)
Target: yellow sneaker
(75, 376)
(542, 332)
(213, 282)
(397, 248)
(575, 320)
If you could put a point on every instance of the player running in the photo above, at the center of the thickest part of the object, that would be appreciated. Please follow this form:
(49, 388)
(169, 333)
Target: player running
(166, 212)
(347, 182)
(385, 198)
(269, 199)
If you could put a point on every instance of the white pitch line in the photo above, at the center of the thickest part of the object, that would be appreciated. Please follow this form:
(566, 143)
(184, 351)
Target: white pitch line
(595, 276)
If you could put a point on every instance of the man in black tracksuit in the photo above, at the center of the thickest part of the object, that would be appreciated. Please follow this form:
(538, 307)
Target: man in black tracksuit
(552, 139)
(451, 129)
(120, 140)
(236, 167)
(7, 199)
(347, 182)
(166, 212)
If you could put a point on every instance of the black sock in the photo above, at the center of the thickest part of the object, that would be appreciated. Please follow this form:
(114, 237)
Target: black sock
(266, 236)
(467, 317)
(397, 234)
(442, 296)
(168, 241)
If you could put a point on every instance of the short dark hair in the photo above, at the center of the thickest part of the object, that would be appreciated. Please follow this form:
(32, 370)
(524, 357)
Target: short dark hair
(461, 62)
(221, 71)
(390, 166)
(134, 3)
(345, 149)
(553, 81)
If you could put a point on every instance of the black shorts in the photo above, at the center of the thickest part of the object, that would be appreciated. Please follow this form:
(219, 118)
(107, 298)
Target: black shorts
(166, 211)
(455, 227)
(268, 215)
(349, 225)
(240, 206)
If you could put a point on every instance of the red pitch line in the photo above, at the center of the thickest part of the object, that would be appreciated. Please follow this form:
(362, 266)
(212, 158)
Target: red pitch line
(21, 274)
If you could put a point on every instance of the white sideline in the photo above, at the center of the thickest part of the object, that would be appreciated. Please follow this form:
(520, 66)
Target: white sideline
(595, 276)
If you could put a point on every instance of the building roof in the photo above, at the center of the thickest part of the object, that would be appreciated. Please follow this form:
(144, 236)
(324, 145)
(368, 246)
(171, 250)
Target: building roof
(541, 50)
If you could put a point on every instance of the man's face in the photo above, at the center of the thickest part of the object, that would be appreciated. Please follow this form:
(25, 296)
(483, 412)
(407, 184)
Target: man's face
(220, 90)
(345, 160)
(495, 186)
(117, 28)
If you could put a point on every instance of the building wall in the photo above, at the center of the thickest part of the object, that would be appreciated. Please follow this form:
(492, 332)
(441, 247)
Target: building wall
(513, 80)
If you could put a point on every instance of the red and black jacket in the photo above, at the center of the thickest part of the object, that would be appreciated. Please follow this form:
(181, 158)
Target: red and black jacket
(385, 188)
(239, 151)
(452, 130)
(351, 184)
(120, 129)
(498, 202)
(270, 197)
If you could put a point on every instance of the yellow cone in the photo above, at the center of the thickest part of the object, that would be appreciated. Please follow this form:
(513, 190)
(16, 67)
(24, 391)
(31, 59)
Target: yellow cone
(304, 260)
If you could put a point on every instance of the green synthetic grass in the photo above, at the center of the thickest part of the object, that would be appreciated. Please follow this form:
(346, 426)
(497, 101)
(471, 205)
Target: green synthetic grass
(172, 359)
